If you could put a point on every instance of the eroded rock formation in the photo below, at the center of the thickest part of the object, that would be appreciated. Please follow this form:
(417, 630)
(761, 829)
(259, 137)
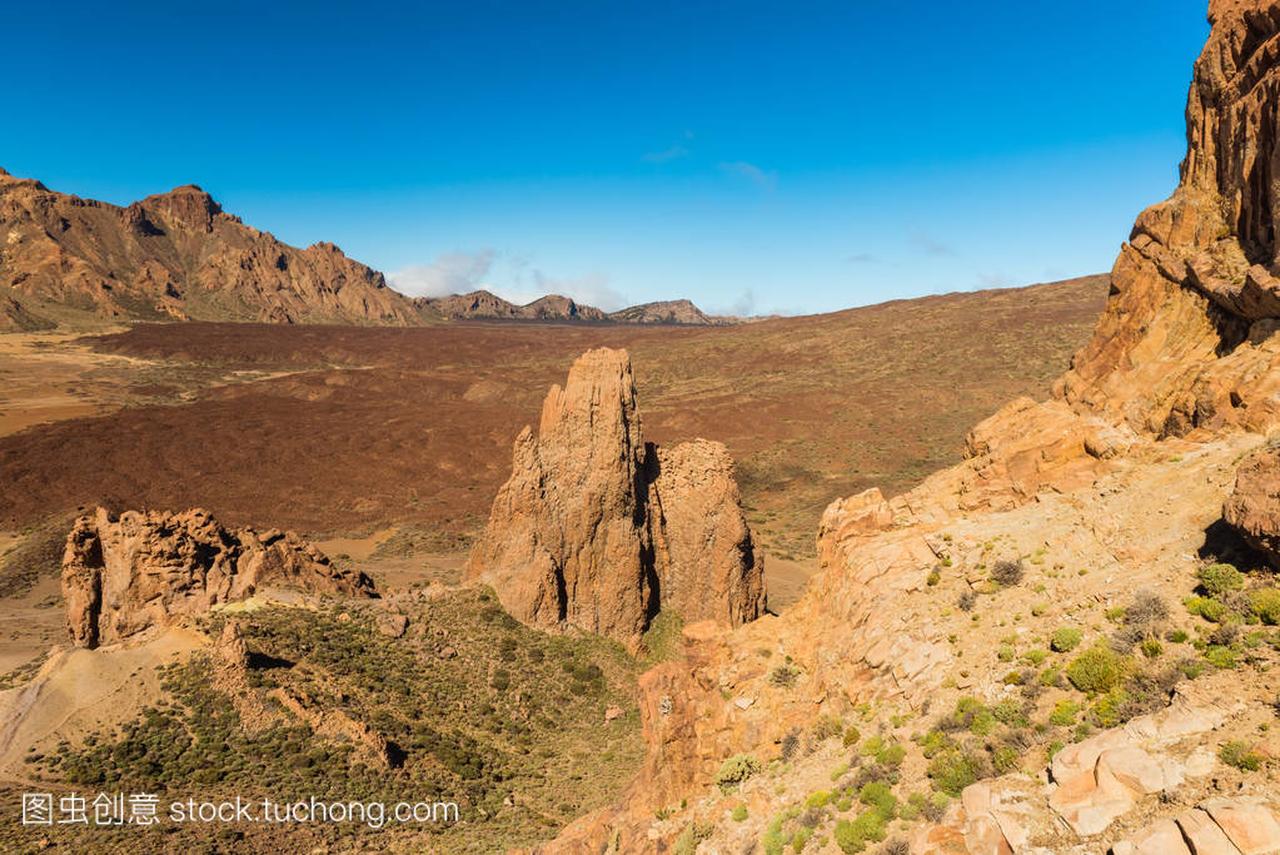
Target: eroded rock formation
(598, 531)
(1187, 338)
(123, 575)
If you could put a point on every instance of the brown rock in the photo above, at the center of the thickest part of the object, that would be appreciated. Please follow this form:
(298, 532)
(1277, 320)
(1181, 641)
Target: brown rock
(1186, 340)
(707, 565)
(123, 575)
(567, 537)
(1253, 508)
(596, 530)
(392, 624)
(1162, 837)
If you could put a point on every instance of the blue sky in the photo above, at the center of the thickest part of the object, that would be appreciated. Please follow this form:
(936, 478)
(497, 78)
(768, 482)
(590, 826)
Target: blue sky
(755, 157)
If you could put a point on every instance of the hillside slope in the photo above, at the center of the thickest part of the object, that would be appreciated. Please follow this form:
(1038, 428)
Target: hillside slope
(176, 255)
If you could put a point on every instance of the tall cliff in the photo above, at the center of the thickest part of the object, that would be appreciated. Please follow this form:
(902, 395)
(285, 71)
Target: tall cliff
(1186, 340)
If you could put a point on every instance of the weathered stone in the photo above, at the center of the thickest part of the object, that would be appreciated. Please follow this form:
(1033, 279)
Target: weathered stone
(1251, 826)
(123, 575)
(598, 531)
(1203, 835)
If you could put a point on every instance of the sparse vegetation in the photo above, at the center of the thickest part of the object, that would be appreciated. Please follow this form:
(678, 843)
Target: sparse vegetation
(1007, 573)
(1065, 639)
(1097, 670)
(735, 770)
(1240, 756)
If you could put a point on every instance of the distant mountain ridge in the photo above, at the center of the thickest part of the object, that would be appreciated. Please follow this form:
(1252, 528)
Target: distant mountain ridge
(179, 256)
(485, 305)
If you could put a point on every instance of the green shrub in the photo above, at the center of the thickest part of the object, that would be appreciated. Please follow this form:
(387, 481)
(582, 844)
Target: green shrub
(1109, 710)
(1151, 648)
(1265, 603)
(1005, 759)
(1219, 579)
(851, 736)
(972, 715)
(735, 770)
(879, 795)
(1098, 669)
(1177, 636)
(951, 771)
(934, 742)
(1065, 639)
(1208, 608)
(854, 836)
(1005, 653)
(1035, 657)
(1064, 713)
(1010, 712)
(1241, 756)
(891, 755)
(818, 799)
(1220, 656)
(739, 812)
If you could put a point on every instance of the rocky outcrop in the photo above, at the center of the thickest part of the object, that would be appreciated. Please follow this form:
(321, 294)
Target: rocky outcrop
(707, 566)
(1224, 826)
(1186, 340)
(1253, 508)
(176, 255)
(598, 531)
(123, 575)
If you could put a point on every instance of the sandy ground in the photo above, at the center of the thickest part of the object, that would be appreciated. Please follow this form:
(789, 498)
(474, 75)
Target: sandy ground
(30, 624)
(355, 548)
(785, 579)
(81, 691)
(44, 377)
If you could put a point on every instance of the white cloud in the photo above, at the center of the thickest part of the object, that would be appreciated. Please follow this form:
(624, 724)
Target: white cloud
(766, 180)
(448, 273)
(591, 290)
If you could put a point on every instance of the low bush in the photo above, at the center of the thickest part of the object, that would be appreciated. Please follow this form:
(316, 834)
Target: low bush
(735, 770)
(1065, 639)
(1218, 579)
(951, 771)
(1265, 603)
(1008, 573)
(1097, 670)
(1241, 756)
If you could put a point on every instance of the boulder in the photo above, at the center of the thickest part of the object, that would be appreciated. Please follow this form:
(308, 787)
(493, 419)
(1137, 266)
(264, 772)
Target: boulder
(122, 575)
(1253, 508)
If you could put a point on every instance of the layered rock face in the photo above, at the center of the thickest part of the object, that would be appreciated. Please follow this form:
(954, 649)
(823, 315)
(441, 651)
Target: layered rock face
(176, 255)
(123, 575)
(1187, 338)
(598, 531)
